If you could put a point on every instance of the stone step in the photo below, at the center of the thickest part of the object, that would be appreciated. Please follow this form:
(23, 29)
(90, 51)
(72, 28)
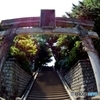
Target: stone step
(48, 86)
(49, 92)
(48, 89)
(57, 98)
(48, 95)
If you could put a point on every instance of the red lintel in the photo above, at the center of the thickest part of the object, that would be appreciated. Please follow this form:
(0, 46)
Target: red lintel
(35, 22)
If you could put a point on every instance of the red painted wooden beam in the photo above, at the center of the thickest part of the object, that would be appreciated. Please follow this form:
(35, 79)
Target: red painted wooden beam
(35, 22)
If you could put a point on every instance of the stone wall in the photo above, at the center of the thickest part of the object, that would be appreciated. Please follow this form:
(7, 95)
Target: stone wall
(80, 77)
(14, 80)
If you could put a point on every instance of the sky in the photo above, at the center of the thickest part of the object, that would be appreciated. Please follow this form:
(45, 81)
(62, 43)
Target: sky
(10, 9)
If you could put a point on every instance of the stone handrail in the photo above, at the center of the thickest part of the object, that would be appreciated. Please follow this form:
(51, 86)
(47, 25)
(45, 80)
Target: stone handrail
(67, 88)
(28, 88)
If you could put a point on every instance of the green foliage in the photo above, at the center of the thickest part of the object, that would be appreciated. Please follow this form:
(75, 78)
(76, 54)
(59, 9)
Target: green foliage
(70, 49)
(24, 49)
(15, 51)
(24, 45)
(44, 53)
(62, 40)
(69, 55)
(88, 10)
(24, 63)
(75, 54)
(43, 56)
(66, 43)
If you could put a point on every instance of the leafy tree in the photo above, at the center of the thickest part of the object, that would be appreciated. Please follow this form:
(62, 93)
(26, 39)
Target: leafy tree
(24, 45)
(43, 57)
(24, 49)
(68, 52)
(74, 54)
(88, 10)
(44, 53)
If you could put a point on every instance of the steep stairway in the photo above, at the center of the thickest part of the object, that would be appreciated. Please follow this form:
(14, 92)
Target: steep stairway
(48, 86)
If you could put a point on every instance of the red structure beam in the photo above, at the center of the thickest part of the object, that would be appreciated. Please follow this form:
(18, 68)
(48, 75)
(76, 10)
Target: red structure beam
(35, 22)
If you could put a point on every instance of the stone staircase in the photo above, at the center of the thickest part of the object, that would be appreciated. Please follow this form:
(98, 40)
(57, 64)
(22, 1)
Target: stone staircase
(48, 86)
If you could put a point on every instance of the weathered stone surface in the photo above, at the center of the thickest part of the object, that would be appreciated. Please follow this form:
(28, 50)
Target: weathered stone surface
(82, 78)
(14, 80)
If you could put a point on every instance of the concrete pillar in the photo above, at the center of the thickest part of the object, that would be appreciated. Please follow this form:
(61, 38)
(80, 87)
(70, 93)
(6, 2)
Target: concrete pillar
(94, 58)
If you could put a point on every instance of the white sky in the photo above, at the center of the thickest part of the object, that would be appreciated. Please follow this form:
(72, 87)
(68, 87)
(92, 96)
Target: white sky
(28, 8)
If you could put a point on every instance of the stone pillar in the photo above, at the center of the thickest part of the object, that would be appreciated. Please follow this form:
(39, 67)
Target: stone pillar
(5, 46)
(94, 58)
